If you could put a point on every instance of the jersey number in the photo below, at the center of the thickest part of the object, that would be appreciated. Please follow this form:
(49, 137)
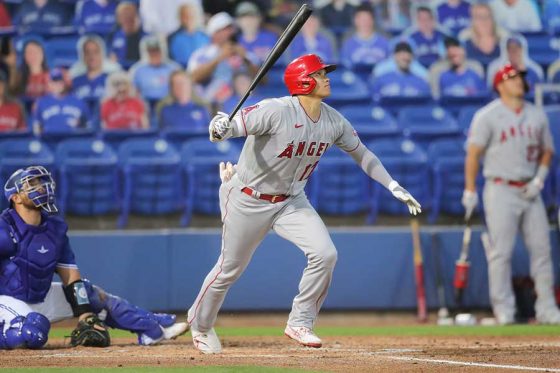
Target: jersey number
(308, 171)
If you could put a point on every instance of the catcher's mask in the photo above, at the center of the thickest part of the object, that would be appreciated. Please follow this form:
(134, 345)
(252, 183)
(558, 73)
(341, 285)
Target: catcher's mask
(37, 183)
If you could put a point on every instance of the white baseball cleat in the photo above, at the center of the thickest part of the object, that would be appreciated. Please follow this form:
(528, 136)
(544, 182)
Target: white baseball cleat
(175, 330)
(303, 335)
(206, 342)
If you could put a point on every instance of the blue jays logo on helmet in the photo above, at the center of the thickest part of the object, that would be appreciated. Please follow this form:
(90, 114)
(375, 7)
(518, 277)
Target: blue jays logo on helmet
(37, 183)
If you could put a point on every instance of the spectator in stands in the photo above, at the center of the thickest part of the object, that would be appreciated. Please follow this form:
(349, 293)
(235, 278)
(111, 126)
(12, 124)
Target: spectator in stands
(313, 39)
(403, 81)
(392, 16)
(125, 41)
(189, 36)
(241, 83)
(456, 76)
(182, 108)
(160, 18)
(42, 16)
(428, 40)
(517, 15)
(151, 74)
(212, 66)
(255, 39)
(365, 46)
(12, 115)
(482, 39)
(280, 13)
(551, 16)
(122, 109)
(514, 51)
(32, 76)
(338, 15)
(5, 19)
(90, 72)
(57, 111)
(95, 16)
(454, 15)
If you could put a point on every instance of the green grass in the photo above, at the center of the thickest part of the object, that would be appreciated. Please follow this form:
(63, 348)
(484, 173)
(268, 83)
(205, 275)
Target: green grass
(410, 330)
(206, 369)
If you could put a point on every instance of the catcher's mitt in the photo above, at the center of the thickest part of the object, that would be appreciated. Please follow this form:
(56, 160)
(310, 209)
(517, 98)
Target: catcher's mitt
(90, 332)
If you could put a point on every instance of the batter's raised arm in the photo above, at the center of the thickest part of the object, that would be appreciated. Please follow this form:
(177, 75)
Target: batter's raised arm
(373, 167)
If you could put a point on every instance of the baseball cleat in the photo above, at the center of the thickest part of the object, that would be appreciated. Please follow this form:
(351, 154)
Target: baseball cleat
(175, 330)
(206, 342)
(303, 336)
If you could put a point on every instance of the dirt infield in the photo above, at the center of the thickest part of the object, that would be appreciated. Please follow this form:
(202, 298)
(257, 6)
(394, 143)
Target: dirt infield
(339, 354)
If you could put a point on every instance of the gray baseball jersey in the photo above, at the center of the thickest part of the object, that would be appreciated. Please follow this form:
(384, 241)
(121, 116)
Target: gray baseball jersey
(513, 144)
(513, 141)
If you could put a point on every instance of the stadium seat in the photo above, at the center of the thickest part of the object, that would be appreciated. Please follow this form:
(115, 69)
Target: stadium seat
(454, 104)
(116, 137)
(424, 124)
(465, 117)
(408, 164)
(371, 122)
(553, 181)
(338, 186)
(347, 89)
(543, 48)
(151, 174)
(394, 104)
(21, 152)
(62, 50)
(88, 177)
(200, 159)
(447, 160)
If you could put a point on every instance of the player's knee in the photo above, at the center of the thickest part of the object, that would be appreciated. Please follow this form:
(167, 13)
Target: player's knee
(326, 258)
(31, 331)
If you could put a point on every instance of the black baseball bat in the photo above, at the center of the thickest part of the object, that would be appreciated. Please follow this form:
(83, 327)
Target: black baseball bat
(285, 39)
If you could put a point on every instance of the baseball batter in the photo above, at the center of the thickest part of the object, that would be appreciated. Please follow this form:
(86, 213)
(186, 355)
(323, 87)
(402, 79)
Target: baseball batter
(33, 246)
(514, 137)
(286, 138)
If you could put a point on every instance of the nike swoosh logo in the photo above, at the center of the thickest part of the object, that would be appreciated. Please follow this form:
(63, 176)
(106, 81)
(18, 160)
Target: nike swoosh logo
(298, 125)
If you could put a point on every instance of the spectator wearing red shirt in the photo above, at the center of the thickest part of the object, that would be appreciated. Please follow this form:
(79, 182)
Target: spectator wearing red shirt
(5, 19)
(12, 116)
(122, 109)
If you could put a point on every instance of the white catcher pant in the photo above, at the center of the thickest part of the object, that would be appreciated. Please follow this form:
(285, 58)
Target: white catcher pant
(246, 221)
(506, 212)
(55, 307)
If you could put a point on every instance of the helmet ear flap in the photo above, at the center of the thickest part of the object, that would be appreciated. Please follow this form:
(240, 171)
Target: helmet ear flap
(307, 85)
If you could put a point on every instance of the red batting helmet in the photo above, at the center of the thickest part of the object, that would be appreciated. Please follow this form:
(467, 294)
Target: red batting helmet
(296, 75)
(506, 72)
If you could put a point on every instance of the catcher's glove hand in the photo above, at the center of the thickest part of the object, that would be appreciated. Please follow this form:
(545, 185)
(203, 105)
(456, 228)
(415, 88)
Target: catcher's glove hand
(90, 332)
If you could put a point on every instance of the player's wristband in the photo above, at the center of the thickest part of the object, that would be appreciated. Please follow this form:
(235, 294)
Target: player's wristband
(76, 295)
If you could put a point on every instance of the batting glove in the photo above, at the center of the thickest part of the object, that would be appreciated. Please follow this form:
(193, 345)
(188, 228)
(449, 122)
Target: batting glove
(227, 170)
(469, 201)
(219, 127)
(532, 189)
(404, 196)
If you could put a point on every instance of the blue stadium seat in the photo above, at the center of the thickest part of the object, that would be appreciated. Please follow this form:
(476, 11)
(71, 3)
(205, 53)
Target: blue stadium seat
(347, 88)
(88, 177)
(465, 117)
(22, 152)
(447, 159)
(553, 181)
(371, 122)
(338, 186)
(152, 181)
(424, 124)
(543, 48)
(408, 164)
(200, 159)
(116, 137)
(62, 50)
(455, 104)
(394, 104)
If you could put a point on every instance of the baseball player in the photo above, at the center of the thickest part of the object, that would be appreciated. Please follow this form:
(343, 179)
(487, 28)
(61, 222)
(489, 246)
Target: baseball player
(286, 138)
(33, 246)
(515, 140)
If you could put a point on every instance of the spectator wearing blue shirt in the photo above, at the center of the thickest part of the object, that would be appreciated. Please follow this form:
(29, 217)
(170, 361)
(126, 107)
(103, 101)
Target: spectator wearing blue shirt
(338, 15)
(313, 39)
(455, 76)
(125, 41)
(189, 37)
(90, 72)
(42, 16)
(151, 74)
(427, 39)
(58, 112)
(402, 82)
(365, 46)
(182, 109)
(454, 15)
(255, 39)
(96, 16)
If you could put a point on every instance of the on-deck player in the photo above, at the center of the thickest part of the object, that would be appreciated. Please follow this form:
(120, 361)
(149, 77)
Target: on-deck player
(286, 137)
(514, 138)
(33, 246)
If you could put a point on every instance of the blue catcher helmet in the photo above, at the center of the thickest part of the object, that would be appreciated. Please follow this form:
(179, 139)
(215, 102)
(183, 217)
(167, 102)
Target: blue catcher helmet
(37, 183)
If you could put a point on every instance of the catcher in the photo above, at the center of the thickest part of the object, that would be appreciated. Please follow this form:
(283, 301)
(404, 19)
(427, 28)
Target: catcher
(33, 246)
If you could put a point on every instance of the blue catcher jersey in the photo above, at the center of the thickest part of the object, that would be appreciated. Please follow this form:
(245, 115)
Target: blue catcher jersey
(29, 255)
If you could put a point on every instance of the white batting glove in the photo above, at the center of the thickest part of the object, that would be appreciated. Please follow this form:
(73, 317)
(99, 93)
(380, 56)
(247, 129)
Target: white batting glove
(227, 170)
(404, 196)
(532, 189)
(469, 202)
(219, 127)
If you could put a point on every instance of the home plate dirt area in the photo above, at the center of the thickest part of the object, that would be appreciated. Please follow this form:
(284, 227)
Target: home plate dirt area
(405, 348)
